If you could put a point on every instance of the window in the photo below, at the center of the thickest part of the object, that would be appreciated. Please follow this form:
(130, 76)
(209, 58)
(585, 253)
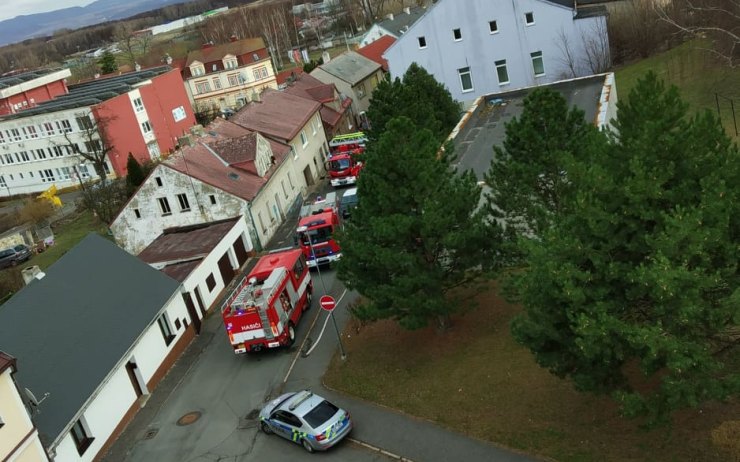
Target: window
(84, 123)
(81, 436)
(138, 105)
(137, 213)
(63, 173)
(260, 73)
(8, 158)
(216, 83)
(361, 90)
(47, 129)
(313, 126)
(93, 146)
(197, 71)
(24, 156)
(164, 327)
(31, 130)
(529, 18)
(2, 138)
(262, 222)
(422, 42)
(214, 68)
(212, 199)
(202, 87)
(58, 151)
(290, 181)
(3, 184)
(46, 175)
(14, 134)
(164, 206)
(466, 81)
(158, 180)
(285, 191)
(538, 64)
(304, 140)
(231, 64)
(492, 27)
(182, 199)
(146, 127)
(210, 282)
(503, 74)
(64, 126)
(40, 154)
(84, 172)
(299, 266)
(457, 34)
(233, 79)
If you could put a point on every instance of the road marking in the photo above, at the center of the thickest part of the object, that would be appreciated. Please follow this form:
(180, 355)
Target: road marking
(379, 450)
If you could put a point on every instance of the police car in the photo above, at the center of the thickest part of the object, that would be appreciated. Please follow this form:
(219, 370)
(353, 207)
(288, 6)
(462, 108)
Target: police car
(307, 419)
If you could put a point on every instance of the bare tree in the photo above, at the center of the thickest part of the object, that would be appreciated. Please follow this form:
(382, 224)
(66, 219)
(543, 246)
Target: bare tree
(596, 56)
(105, 199)
(567, 57)
(131, 45)
(717, 20)
(94, 137)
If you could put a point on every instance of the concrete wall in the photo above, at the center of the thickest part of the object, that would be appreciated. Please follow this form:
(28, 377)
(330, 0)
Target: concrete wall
(19, 440)
(311, 156)
(479, 49)
(114, 398)
(134, 234)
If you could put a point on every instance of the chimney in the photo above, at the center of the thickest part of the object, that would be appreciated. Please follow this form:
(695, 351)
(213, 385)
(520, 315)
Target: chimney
(168, 59)
(233, 38)
(390, 16)
(31, 273)
(137, 66)
(207, 45)
(407, 10)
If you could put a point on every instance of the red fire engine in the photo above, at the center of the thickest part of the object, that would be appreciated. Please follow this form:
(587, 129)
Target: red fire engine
(315, 233)
(343, 164)
(265, 307)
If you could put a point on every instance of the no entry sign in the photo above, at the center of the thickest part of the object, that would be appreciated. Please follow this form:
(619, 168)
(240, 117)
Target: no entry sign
(327, 302)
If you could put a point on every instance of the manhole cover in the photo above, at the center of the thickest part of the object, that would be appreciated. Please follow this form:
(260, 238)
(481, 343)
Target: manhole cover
(150, 433)
(188, 418)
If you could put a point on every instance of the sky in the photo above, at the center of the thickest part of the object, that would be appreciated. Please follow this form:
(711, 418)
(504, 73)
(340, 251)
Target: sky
(15, 8)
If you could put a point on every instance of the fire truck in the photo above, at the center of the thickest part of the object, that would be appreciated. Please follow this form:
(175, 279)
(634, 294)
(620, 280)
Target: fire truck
(343, 164)
(315, 232)
(268, 303)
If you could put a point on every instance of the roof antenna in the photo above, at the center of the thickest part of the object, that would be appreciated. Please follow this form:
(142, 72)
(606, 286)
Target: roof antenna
(33, 401)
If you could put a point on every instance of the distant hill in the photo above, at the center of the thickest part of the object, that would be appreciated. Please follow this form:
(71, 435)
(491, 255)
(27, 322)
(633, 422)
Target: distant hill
(41, 24)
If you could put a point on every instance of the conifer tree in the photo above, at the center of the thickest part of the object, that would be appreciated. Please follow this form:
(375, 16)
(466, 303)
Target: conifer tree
(134, 174)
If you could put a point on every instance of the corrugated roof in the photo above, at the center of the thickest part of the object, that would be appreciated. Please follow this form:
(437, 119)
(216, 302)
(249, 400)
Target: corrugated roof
(375, 50)
(278, 114)
(71, 328)
(217, 52)
(10, 79)
(181, 271)
(176, 245)
(350, 66)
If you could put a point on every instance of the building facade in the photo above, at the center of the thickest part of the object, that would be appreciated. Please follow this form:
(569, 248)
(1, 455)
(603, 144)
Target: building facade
(336, 108)
(494, 46)
(141, 113)
(228, 76)
(19, 438)
(393, 25)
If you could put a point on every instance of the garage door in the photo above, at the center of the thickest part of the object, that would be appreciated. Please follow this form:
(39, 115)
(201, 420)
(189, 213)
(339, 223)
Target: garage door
(224, 266)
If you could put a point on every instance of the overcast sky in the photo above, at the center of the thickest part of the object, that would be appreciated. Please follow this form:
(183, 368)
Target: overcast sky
(15, 8)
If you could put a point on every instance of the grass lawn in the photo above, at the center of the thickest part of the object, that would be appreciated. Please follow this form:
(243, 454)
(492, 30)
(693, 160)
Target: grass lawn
(67, 233)
(475, 379)
(697, 75)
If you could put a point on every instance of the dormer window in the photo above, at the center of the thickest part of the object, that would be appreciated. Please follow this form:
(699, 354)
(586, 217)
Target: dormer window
(197, 70)
(230, 63)
(255, 57)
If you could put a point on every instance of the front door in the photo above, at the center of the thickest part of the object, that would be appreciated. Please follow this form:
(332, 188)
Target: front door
(192, 311)
(132, 371)
(307, 175)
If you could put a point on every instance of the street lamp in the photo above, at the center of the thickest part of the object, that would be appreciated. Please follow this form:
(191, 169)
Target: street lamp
(304, 229)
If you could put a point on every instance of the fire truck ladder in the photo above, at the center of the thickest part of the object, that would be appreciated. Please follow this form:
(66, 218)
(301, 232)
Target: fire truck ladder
(357, 137)
(265, 324)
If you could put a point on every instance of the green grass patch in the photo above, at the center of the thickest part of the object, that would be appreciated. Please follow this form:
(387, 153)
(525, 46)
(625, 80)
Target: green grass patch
(476, 380)
(698, 76)
(67, 234)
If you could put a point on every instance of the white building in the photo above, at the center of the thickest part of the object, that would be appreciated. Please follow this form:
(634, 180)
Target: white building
(490, 46)
(19, 439)
(95, 336)
(393, 25)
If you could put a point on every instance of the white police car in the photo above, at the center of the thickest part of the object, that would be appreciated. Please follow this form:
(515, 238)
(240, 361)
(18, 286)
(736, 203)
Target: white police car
(306, 419)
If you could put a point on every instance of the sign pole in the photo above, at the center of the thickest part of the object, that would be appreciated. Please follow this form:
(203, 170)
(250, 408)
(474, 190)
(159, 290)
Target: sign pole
(331, 311)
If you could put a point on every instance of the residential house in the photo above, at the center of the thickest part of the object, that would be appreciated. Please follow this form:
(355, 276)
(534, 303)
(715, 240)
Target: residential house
(141, 113)
(203, 258)
(293, 121)
(228, 172)
(22, 90)
(227, 76)
(19, 438)
(492, 46)
(336, 109)
(355, 76)
(95, 335)
(393, 25)
(375, 50)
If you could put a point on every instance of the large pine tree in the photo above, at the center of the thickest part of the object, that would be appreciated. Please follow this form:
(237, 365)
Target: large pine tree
(418, 230)
(635, 290)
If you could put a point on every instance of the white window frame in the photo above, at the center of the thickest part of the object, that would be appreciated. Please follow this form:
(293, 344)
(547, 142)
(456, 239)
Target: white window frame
(470, 76)
(304, 139)
(501, 63)
(526, 21)
(164, 206)
(420, 39)
(182, 200)
(457, 31)
(537, 56)
(495, 29)
(146, 127)
(138, 104)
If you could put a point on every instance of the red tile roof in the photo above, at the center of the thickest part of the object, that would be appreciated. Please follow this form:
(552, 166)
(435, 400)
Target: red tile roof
(283, 76)
(217, 52)
(6, 361)
(376, 49)
(278, 114)
(330, 116)
(308, 86)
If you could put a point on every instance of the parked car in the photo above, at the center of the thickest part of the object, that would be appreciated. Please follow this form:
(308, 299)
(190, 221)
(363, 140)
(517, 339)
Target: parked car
(14, 255)
(306, 419)
(347, 203)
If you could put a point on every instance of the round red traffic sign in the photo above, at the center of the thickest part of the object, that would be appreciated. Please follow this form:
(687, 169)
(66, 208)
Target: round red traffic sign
(327, 302)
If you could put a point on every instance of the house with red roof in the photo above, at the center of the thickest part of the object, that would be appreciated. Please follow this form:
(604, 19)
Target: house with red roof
(374, 51)
(227, 172)
(336, 109)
